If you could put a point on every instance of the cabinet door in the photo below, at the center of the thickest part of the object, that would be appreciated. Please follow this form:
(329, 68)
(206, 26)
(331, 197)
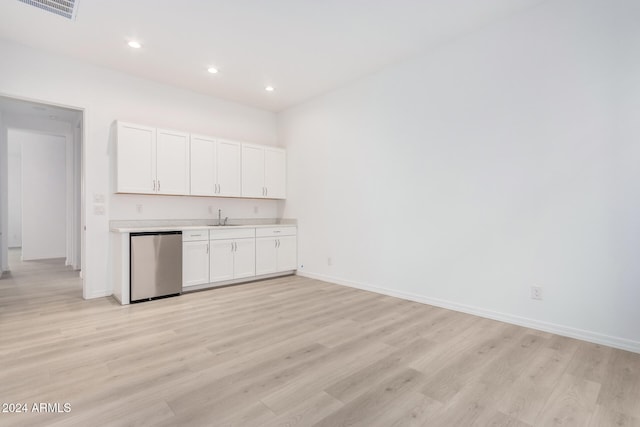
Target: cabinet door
(244, 264)
(172, 162)
(287, 253)
(195, 263)
(266, 255)
(253, 171)
(220, 260)
(202, 166)
(228, 169)
(275, 173)
(136, 158)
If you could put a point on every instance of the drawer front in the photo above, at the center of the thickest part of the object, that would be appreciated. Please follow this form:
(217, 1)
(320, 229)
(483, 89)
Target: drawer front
(192, 235)
(276, 231)
(242, 233)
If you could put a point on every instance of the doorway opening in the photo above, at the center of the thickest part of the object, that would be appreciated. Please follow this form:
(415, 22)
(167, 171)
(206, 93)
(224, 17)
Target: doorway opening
(41, 183)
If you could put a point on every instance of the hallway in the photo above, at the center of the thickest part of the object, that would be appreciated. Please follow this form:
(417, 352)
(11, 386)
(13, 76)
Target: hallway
(31, 283)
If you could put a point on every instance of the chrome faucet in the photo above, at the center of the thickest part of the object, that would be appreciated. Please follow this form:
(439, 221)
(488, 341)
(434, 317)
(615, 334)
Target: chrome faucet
(220, 222)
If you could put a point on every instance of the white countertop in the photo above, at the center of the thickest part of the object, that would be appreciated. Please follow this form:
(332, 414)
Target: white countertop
(183, 225)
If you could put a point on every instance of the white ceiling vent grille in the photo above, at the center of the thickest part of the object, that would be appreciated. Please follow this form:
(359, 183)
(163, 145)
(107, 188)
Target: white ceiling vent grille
(66, 8)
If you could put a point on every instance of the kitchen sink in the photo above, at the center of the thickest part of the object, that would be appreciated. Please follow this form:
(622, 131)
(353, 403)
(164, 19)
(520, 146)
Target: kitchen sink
(220, 225)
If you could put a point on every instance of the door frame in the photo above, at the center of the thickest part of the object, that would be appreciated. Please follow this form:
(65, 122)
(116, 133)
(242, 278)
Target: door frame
(79, 223)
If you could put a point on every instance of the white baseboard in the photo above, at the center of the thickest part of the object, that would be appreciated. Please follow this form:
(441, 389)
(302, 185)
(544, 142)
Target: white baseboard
(567, 331)
(97, 294)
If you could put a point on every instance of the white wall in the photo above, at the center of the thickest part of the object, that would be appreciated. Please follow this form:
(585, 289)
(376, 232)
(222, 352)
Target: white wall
(43, 194)
(504, 159)
(14, 198)
(108, 95)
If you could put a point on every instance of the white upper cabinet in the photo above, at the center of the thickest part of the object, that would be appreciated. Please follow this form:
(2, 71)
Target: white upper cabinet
(172, 160)
(275, 173)
(252, 171)
(159, 161)
(215, 167)
(263, 172)
(151, 161)
(203, 171)
(136, 159)
(228, 165)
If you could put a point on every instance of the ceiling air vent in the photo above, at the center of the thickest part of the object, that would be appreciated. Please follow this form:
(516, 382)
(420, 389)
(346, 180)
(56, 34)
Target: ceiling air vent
(66, 8)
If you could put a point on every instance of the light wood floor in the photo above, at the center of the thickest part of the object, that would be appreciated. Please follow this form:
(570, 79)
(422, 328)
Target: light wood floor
(292, 351)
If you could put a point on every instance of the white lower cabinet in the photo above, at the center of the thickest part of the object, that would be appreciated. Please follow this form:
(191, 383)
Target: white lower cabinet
(195, 258)
(232, 254)
(276, 250)
(227, 254)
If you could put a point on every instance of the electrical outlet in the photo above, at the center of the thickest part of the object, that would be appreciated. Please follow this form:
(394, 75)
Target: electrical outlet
(139, 208)
(255, 209)
(536, 292)
(329, 261)
(211, 209)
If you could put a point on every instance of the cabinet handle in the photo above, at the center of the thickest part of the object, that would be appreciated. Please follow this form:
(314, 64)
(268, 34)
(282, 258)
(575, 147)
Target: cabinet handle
(266, 191)
(207, 248)
(276, 243)
(231, 246)
(196, 235)
(158, 185)
(218, 185)
(154, 185)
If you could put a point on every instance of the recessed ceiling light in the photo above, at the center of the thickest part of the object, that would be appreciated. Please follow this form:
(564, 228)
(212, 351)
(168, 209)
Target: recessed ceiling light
(269, 88)
(134, 44)
(212, 70)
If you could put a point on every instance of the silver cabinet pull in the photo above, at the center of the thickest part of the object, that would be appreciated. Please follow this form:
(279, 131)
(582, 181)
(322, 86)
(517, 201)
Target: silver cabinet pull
(207, 248)
(154, 185)
(158, 185)
(266, 191)
(276, 243)
(231, 246)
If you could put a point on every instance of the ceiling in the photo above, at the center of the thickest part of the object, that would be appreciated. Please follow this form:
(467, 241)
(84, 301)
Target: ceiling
(302, 48)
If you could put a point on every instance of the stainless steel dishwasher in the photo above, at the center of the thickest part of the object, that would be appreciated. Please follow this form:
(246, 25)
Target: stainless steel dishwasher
(156, 265)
